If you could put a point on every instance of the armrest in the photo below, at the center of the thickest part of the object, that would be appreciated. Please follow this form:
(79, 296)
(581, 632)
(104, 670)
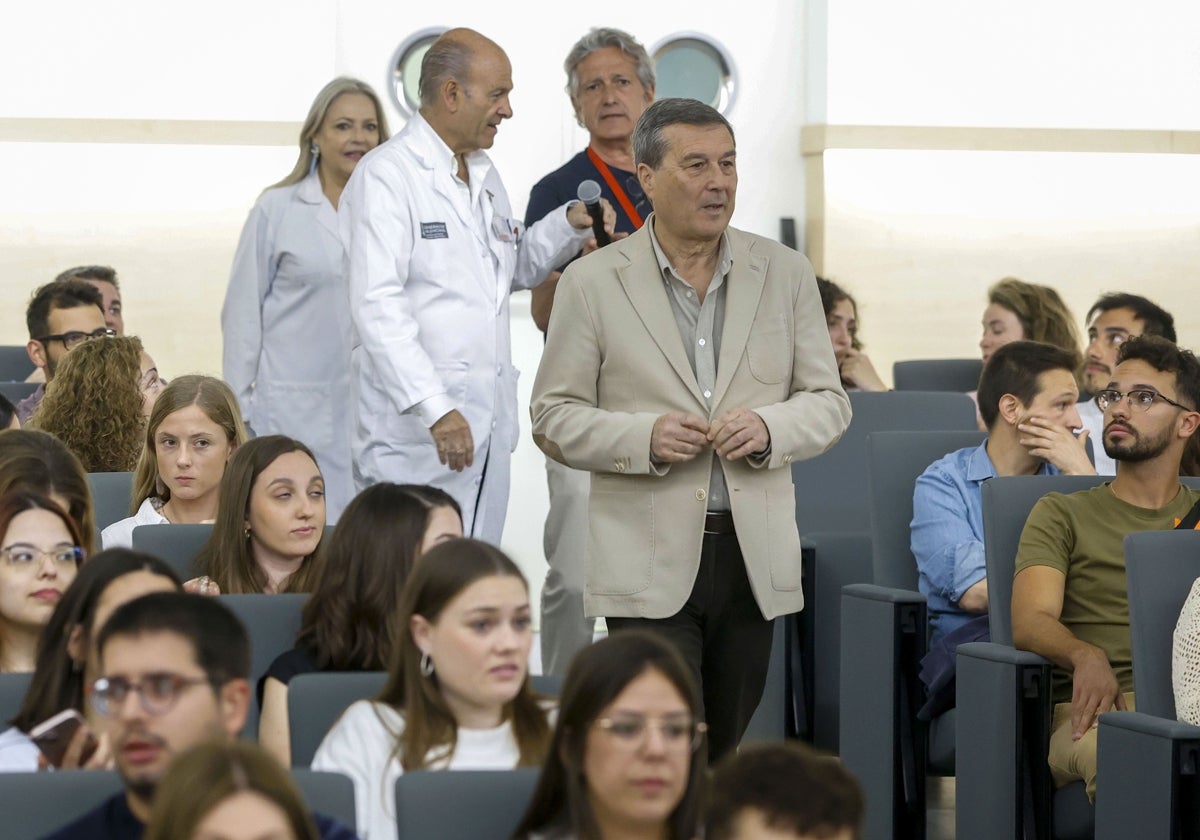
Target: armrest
(1001, 654)
(872, 592)
(1142, 761)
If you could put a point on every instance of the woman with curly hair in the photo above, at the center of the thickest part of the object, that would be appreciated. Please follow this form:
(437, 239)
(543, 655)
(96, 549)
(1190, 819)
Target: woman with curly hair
(1020, 311)
(94, 404)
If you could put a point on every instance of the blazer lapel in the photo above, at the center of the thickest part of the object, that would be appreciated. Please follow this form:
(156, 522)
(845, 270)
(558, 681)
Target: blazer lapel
(743, 289)
(644, 287)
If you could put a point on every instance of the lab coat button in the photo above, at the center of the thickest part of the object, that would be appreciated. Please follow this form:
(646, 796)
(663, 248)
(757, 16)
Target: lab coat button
(701, 494)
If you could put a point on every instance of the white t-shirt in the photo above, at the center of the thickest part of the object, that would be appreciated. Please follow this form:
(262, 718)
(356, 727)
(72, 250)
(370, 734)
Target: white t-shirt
(361, 743)
(120, 534)
(1093, 421)
(18, 754)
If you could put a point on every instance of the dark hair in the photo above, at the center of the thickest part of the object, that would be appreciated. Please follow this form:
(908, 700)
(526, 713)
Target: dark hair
(103, 273)
(437, 578)
(227, 557)
(206, 775)
(793, 788)
(831, 295)
(57, 683)
(1167, 357)
(219, 639)
(7, 412)
(1155, 320)
(42, 464)
(649, 145)
(351, 621)
(67, 294)
(598, 674)
(16, 502)
(1015, 369)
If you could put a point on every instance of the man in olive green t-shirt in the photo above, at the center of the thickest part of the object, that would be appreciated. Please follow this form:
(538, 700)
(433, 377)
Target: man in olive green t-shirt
(1069, 600)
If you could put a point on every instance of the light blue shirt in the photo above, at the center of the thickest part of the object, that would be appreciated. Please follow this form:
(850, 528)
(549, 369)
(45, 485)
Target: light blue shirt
(947, 532)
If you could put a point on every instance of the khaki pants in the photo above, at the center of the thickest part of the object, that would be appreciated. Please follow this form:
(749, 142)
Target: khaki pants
(1073, 761)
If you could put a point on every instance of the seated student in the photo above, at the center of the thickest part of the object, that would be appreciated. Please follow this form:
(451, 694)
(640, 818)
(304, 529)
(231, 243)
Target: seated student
(350, 622)
(39, 557)
(94, 404)
(1113, 320)
(457, 695)
(60, 317)
(1027, 396)
(66, 656)
(103, 279)
(229, 791)
(783, 792)
(841, 315)
(1069, 601)
(8, 414)
(193, 429)
(39, 463)
(173, 672)
(270, 522)
(626, 758)
(1185, 659)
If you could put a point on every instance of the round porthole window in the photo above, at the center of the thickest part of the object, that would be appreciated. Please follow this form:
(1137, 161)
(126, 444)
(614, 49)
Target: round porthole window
(693, 65)
(404, 70)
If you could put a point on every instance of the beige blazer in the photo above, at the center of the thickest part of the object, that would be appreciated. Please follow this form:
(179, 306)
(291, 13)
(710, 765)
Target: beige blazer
(614, 362)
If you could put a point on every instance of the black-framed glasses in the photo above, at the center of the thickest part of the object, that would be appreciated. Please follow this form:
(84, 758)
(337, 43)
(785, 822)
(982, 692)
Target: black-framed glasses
(74, 338)
(157, 693)
(631, 731)
(1139, 399)
(24, 555)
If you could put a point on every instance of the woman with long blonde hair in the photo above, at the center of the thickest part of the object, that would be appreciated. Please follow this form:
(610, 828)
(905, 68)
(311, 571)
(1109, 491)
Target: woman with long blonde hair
(286, 318)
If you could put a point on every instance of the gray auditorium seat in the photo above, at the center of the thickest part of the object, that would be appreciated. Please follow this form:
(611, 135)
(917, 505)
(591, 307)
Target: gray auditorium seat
(12, 695)
(959, 375)
(328, 794)
(15, 365)
(17, 391)
(463, 804)
(35, 804)
(272, 622)
(177, 545)
(111, 492)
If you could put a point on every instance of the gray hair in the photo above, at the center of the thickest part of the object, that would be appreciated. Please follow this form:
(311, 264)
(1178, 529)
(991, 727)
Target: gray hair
(599, 38)
(447, 58)
(649, 147)
(103, 273)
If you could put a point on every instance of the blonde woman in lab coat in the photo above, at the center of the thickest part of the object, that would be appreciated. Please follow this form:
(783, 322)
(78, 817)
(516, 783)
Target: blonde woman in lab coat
(286, 320)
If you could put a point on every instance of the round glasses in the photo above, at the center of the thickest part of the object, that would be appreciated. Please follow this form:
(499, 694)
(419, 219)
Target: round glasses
(632, 731)
(1139, 400)
(157, 693)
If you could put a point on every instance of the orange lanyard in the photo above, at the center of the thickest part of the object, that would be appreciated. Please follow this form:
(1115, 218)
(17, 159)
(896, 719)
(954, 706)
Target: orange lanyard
(611, 180)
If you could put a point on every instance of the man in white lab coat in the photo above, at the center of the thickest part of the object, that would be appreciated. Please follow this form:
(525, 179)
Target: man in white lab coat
(432, 254)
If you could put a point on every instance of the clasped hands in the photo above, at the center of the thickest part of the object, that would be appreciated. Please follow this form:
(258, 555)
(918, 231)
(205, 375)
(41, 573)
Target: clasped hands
(679, 436)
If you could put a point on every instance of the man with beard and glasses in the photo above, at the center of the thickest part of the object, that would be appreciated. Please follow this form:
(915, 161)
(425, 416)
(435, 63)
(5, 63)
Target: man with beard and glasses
(174, 674)
(61, 315)
(1069, 600)
(1113, 320)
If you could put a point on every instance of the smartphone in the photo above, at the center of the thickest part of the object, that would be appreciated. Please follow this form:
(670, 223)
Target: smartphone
(54, 735)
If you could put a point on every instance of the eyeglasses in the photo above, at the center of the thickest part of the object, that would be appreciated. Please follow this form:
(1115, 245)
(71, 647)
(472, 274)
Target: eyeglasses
(1140, 400)
(631, 731)
(25, 555)
(157, 693)
(74, 338)
(1110, 339)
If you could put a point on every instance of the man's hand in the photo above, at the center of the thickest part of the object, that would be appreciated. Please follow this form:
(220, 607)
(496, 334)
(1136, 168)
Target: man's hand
(678, 436)
(1057, 445)
(856, 369)
(592, 245)
(580, 219)
(455, 446)
(739, 432)
(1095, 690)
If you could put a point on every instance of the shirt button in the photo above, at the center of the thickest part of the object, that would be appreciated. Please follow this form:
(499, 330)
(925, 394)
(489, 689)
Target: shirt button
(701, 494)
(707, 394)
(702, 342)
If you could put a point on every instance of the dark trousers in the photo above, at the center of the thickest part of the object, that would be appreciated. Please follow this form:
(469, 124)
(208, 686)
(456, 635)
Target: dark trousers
(723, 637)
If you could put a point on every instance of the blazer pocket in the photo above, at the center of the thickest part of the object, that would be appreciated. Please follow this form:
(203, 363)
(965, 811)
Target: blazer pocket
(620, 558)
(769, 350)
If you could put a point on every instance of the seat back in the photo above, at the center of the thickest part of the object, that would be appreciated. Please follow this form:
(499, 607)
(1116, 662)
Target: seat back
(894, 462)
(12, 695)
(272, 622)
(1160, 567)
(328, 794)
(17, 391)
(959, 375)
(1007, 502)
(111, 495)
(463, 804)
(831, 489)
(177, 545)
(315, 702)
(15, 364)
(35, 804)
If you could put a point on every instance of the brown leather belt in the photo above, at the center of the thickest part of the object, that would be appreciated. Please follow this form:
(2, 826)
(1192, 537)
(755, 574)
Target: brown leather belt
(718, 523)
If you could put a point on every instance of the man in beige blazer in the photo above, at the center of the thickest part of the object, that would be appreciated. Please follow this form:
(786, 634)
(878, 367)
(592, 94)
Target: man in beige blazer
(686, 368)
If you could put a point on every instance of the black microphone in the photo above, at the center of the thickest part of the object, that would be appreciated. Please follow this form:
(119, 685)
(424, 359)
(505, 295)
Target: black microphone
(589, 194)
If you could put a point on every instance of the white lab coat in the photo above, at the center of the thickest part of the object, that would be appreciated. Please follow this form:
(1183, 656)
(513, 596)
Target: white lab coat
(430, 265)
(286, 325)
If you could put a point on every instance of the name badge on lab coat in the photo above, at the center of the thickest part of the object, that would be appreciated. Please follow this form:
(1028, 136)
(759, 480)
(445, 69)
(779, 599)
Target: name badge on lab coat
(507, 230)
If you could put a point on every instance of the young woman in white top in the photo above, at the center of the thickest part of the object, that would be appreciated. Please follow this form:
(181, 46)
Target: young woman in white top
(626, 760)
(193, 430)
(286, 318)
(40, 554)
(457, 695)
